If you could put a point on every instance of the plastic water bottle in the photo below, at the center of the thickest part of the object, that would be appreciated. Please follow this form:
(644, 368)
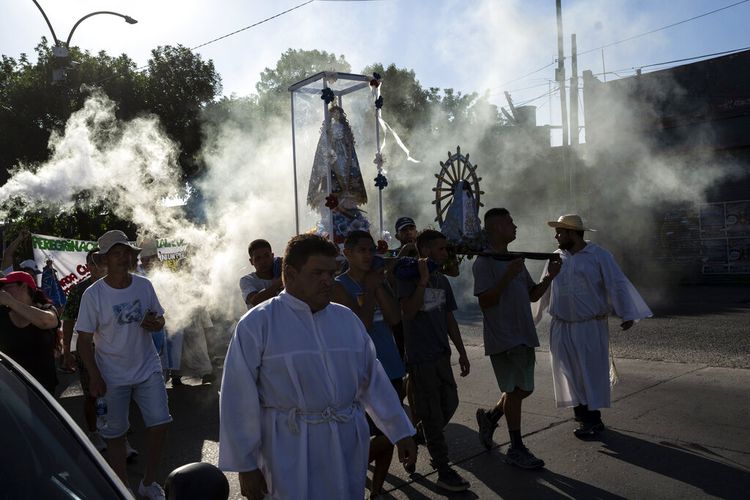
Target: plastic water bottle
(101, 414)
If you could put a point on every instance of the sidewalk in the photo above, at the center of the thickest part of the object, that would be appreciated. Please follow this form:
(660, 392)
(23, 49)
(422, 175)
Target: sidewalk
(675, 431)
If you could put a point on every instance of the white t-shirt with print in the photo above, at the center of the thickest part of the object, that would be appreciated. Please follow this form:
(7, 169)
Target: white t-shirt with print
(125, 352)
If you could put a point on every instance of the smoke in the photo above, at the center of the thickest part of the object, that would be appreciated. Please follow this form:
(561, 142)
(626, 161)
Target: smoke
(617, 182)
(133, 166)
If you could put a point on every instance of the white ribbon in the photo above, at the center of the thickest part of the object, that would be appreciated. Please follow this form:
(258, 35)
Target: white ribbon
(398, 140)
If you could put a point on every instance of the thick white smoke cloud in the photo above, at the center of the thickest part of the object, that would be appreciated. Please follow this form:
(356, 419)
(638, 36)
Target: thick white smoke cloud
(133, 165)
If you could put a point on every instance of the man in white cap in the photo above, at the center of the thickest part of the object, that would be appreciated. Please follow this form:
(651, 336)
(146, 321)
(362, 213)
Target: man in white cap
(118, 313)
(588, 288)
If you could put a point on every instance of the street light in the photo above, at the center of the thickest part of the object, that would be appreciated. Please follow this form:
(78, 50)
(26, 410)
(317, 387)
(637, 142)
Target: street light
(61, 51)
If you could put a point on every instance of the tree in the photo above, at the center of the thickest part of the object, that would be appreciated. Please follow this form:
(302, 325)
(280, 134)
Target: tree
(179, 85)
(175, 87)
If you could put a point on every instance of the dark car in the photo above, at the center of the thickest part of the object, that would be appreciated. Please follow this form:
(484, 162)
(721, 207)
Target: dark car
(45, 454)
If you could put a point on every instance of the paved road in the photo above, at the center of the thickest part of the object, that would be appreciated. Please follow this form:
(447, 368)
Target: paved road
(678, 427)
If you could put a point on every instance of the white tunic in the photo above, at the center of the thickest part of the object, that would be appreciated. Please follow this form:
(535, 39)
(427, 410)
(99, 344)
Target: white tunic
(295, 388)
(589, 287)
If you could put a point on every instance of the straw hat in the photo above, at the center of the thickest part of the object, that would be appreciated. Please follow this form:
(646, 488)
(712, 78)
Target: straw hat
(570, 221)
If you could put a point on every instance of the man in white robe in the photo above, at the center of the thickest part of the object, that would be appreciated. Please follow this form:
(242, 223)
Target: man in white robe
(299, 374)
(589, 287)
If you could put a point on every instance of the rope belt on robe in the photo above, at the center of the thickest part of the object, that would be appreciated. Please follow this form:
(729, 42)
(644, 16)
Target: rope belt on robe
(600, 317)
(341, 415)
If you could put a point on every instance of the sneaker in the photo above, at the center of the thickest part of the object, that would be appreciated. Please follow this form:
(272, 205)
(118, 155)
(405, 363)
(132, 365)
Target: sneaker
(208, 379)
(130, 452)
(97, 441)
(486, 428)
(177, 381)
(523, 458)
(588, 429)
(450, 480)
(152, 491)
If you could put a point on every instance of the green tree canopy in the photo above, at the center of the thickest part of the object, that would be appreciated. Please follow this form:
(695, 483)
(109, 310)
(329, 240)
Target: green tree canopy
(176, 85)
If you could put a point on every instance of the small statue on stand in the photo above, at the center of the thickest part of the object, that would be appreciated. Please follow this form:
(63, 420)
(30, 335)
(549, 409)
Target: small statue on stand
(336, 150)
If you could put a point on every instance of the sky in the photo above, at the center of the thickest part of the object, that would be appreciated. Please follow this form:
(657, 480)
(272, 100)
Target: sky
(468, 45)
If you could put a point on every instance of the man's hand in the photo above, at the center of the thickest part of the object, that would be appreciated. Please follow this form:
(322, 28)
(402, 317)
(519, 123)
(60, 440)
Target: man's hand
(553, 268)
(151, 322)
(627, 324)
(407, 451)
(424, 271)
(253, 484)
(463, 363)
(97, 387)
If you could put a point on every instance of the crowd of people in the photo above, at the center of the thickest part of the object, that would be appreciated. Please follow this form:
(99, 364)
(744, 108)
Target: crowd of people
(340, 360)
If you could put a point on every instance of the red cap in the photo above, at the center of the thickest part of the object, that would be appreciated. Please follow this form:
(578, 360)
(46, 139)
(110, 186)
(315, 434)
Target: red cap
(19, 277)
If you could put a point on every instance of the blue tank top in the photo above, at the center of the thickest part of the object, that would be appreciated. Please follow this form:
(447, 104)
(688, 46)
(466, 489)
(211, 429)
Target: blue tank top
(380, 333)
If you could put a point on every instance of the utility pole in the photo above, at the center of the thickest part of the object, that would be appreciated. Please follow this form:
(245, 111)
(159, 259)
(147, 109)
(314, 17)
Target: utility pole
(574, 130)
(560, 75)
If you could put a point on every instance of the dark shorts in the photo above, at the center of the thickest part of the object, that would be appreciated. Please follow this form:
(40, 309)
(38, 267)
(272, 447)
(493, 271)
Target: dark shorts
(514, 368)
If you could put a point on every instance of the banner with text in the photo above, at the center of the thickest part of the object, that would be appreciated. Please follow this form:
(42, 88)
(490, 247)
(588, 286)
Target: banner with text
(68, 256)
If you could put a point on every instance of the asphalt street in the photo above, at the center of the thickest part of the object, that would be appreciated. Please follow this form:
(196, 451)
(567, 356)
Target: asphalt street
(678, 427)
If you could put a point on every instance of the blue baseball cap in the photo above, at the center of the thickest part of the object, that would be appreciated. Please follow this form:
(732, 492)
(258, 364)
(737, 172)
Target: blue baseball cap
(403, 222)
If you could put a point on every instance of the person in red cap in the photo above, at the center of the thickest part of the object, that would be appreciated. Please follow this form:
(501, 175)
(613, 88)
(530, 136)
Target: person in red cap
(27, 327)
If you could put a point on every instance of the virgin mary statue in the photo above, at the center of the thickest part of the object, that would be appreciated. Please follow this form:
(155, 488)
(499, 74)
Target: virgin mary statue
(336, 148)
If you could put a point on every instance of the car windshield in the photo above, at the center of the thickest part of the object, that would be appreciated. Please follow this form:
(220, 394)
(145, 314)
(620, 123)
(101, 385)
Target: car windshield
(42, 457)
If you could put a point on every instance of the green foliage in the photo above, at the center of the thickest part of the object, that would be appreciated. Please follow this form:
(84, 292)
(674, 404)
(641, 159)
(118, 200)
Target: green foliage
(181, 89)
(176, 86)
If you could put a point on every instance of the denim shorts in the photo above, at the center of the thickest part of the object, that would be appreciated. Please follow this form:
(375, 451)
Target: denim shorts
(151, 397)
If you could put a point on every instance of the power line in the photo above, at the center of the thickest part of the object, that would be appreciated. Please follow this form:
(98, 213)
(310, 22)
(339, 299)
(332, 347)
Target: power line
(256, 24)
(664, 27)
(685, 59)
(695, 57)
(529, 74)
(142, 68)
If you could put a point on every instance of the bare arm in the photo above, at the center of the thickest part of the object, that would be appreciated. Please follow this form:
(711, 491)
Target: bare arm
(40, 318)
(86, 351)
(12, 247)
(388, 305)
(411, 305)
(253, 299)
(455, 335)
(365, 312)
(537, 291)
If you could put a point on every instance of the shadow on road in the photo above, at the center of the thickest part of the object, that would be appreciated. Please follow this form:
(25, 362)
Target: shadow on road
(694, 465)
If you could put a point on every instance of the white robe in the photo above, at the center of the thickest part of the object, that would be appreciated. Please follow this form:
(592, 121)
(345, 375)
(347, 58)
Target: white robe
(295, 388)
(589, 287)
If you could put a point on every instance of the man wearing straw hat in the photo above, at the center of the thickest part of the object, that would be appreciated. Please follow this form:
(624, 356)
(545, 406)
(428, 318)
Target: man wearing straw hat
(589, 287)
